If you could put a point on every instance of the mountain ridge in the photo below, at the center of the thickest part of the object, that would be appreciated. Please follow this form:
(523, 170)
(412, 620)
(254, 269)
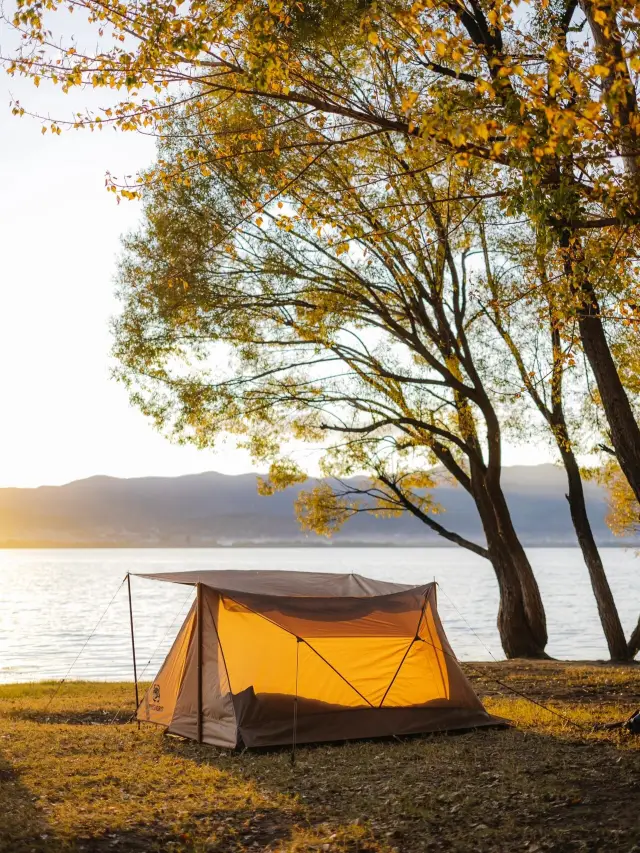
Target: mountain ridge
(214, 509)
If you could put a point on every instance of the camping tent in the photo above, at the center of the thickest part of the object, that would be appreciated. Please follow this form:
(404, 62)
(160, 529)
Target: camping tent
(266, 658)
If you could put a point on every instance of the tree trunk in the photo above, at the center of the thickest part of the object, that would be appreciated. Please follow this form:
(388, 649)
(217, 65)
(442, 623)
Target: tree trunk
(624, 429)
(607, 610)
(521, 617)
(634, 642)
(519, 637)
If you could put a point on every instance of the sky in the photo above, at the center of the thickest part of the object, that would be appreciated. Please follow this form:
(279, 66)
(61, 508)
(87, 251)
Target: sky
(63, 417)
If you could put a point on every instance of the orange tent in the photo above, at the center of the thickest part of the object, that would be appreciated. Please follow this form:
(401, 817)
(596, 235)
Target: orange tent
(266, 658)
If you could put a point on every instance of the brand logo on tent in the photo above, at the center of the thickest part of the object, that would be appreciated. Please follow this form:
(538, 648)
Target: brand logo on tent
(156, 693)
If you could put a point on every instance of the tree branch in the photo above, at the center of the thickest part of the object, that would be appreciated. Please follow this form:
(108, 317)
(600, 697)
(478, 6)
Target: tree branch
(437, 528)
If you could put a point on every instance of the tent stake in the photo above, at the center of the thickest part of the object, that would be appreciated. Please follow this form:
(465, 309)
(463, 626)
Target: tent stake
(199, 657)
(133, 645)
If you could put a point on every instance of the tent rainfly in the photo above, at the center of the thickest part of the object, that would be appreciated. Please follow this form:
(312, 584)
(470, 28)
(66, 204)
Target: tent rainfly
(270, 658)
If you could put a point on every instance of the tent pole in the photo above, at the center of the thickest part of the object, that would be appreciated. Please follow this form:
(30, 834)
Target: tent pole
(199, 657)
(295, 707)
(133, 645)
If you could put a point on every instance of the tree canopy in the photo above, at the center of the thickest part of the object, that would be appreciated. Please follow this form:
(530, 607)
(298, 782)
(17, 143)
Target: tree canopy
(542, 95)
(353, 334)
(346, 320)
(545, 90)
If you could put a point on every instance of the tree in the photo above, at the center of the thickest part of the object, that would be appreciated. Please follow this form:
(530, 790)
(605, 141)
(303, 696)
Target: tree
(624, 509)
(544, 348)
(545, 92)
(357, 335)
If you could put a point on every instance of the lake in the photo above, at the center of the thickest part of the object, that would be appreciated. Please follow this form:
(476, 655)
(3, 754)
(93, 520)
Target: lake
(51, 601)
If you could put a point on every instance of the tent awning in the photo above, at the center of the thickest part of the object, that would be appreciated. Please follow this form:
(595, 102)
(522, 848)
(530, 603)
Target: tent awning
(287, 583)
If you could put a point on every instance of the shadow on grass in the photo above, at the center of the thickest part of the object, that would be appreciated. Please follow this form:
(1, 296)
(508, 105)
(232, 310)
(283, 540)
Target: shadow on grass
(71, 718)
(224, 831)
(488, 791)
(22, 824)
(482, 791)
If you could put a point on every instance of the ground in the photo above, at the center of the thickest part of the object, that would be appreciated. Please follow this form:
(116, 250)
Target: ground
(75, 775)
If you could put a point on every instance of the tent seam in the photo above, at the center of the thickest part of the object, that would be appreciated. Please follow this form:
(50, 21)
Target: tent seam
(191, 617)
(226, 669)
(307, 643)
(442, 678)
(408, 649)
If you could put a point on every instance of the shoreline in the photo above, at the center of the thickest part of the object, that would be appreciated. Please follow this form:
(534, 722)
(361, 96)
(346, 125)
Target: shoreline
(124, 546)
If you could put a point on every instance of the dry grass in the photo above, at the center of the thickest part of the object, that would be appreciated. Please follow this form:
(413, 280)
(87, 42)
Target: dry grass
(74, 779)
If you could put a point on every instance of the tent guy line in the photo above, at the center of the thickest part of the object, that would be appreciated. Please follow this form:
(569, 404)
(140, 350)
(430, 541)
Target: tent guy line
(85, 644)
(142, 674)
(497, 681)
(444, 651)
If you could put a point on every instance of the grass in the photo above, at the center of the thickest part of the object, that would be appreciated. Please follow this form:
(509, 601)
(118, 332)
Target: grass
(76, 776)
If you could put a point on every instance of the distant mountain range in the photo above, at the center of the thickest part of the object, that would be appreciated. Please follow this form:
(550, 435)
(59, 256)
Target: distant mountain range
(213, 509)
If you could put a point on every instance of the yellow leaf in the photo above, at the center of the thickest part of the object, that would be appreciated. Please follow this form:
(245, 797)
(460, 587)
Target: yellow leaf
(484, 87)
(591, 110)
(373, 38)
(408, 101)
(556, 54)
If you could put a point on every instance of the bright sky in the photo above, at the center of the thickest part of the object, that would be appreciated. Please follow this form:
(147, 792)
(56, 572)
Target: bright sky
(62, 416)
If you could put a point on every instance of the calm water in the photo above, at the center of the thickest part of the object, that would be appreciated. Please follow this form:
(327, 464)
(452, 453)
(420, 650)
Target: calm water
(50, 601)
